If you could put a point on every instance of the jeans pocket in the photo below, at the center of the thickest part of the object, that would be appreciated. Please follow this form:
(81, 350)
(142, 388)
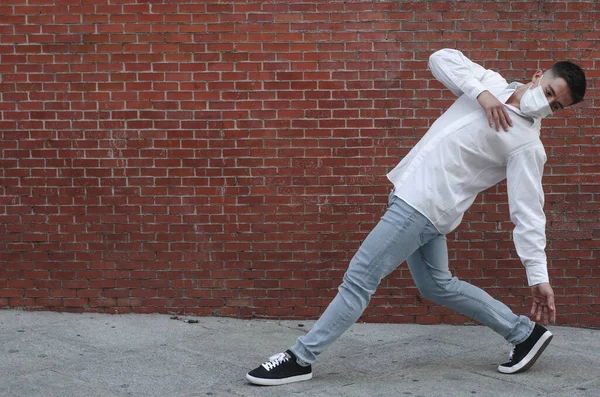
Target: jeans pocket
(391, 198)
(428, 233)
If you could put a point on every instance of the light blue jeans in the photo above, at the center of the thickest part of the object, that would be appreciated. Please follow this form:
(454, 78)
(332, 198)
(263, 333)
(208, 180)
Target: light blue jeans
(405, 234)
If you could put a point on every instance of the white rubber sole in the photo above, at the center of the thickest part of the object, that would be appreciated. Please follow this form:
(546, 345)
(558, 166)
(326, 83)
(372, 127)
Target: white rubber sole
(276, 382)
(531, 357)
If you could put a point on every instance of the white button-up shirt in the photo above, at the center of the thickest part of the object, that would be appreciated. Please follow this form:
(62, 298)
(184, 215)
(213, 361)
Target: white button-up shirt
(461, 156)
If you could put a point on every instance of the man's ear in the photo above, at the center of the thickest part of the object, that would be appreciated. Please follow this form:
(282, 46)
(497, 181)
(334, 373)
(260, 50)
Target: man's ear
(538, 73)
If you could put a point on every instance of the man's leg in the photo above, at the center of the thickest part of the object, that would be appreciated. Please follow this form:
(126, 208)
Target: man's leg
(429, 268)
(392, 240)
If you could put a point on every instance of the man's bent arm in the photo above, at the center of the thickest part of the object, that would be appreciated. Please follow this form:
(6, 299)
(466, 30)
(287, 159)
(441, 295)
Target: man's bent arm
(526, 203)
(460, 75)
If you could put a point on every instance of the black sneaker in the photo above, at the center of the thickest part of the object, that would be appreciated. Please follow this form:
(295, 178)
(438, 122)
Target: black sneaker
(526, 353)
(282, 368)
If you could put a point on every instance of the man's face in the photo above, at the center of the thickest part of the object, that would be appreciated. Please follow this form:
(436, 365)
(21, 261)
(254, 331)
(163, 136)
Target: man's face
(556, 90)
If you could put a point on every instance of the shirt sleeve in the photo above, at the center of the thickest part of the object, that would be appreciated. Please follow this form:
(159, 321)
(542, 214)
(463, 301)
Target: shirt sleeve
(458, 73)
(526, 203)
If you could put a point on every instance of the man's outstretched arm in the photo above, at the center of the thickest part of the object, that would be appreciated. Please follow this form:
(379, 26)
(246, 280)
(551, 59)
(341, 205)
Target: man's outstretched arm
(526, 202)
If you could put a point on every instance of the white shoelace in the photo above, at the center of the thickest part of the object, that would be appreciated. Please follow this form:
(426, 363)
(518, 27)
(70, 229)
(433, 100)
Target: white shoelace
(512, 353)
(275, 361)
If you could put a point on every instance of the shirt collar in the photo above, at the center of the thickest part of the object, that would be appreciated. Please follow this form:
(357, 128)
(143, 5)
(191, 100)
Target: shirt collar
(508, 91)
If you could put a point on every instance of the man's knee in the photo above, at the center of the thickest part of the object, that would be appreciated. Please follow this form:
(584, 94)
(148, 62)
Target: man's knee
(436, 290)
(358, 289)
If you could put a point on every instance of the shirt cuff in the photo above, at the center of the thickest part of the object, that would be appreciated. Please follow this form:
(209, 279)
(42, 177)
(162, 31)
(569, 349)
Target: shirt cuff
(472, 87)
(537, 274)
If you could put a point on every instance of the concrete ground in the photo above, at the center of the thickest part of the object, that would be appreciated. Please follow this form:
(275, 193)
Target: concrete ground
(99, 355)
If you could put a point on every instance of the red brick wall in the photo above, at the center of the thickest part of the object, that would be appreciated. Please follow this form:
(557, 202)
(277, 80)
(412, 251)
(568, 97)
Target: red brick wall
(228, 158)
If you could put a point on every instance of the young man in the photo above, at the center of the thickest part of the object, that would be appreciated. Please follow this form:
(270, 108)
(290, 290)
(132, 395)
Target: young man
(460, 156)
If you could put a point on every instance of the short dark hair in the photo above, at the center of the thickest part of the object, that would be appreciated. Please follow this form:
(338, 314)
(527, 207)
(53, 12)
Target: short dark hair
(574, 77)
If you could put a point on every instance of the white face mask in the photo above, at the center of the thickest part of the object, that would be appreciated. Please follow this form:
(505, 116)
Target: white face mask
(534, 102)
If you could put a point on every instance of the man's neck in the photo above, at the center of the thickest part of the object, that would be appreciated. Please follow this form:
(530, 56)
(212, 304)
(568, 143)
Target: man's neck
(515, 98)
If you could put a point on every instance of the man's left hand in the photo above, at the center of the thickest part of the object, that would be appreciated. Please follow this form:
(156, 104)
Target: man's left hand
(543, 302)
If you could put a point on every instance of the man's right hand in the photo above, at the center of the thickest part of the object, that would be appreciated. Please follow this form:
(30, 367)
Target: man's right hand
(495, 110)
